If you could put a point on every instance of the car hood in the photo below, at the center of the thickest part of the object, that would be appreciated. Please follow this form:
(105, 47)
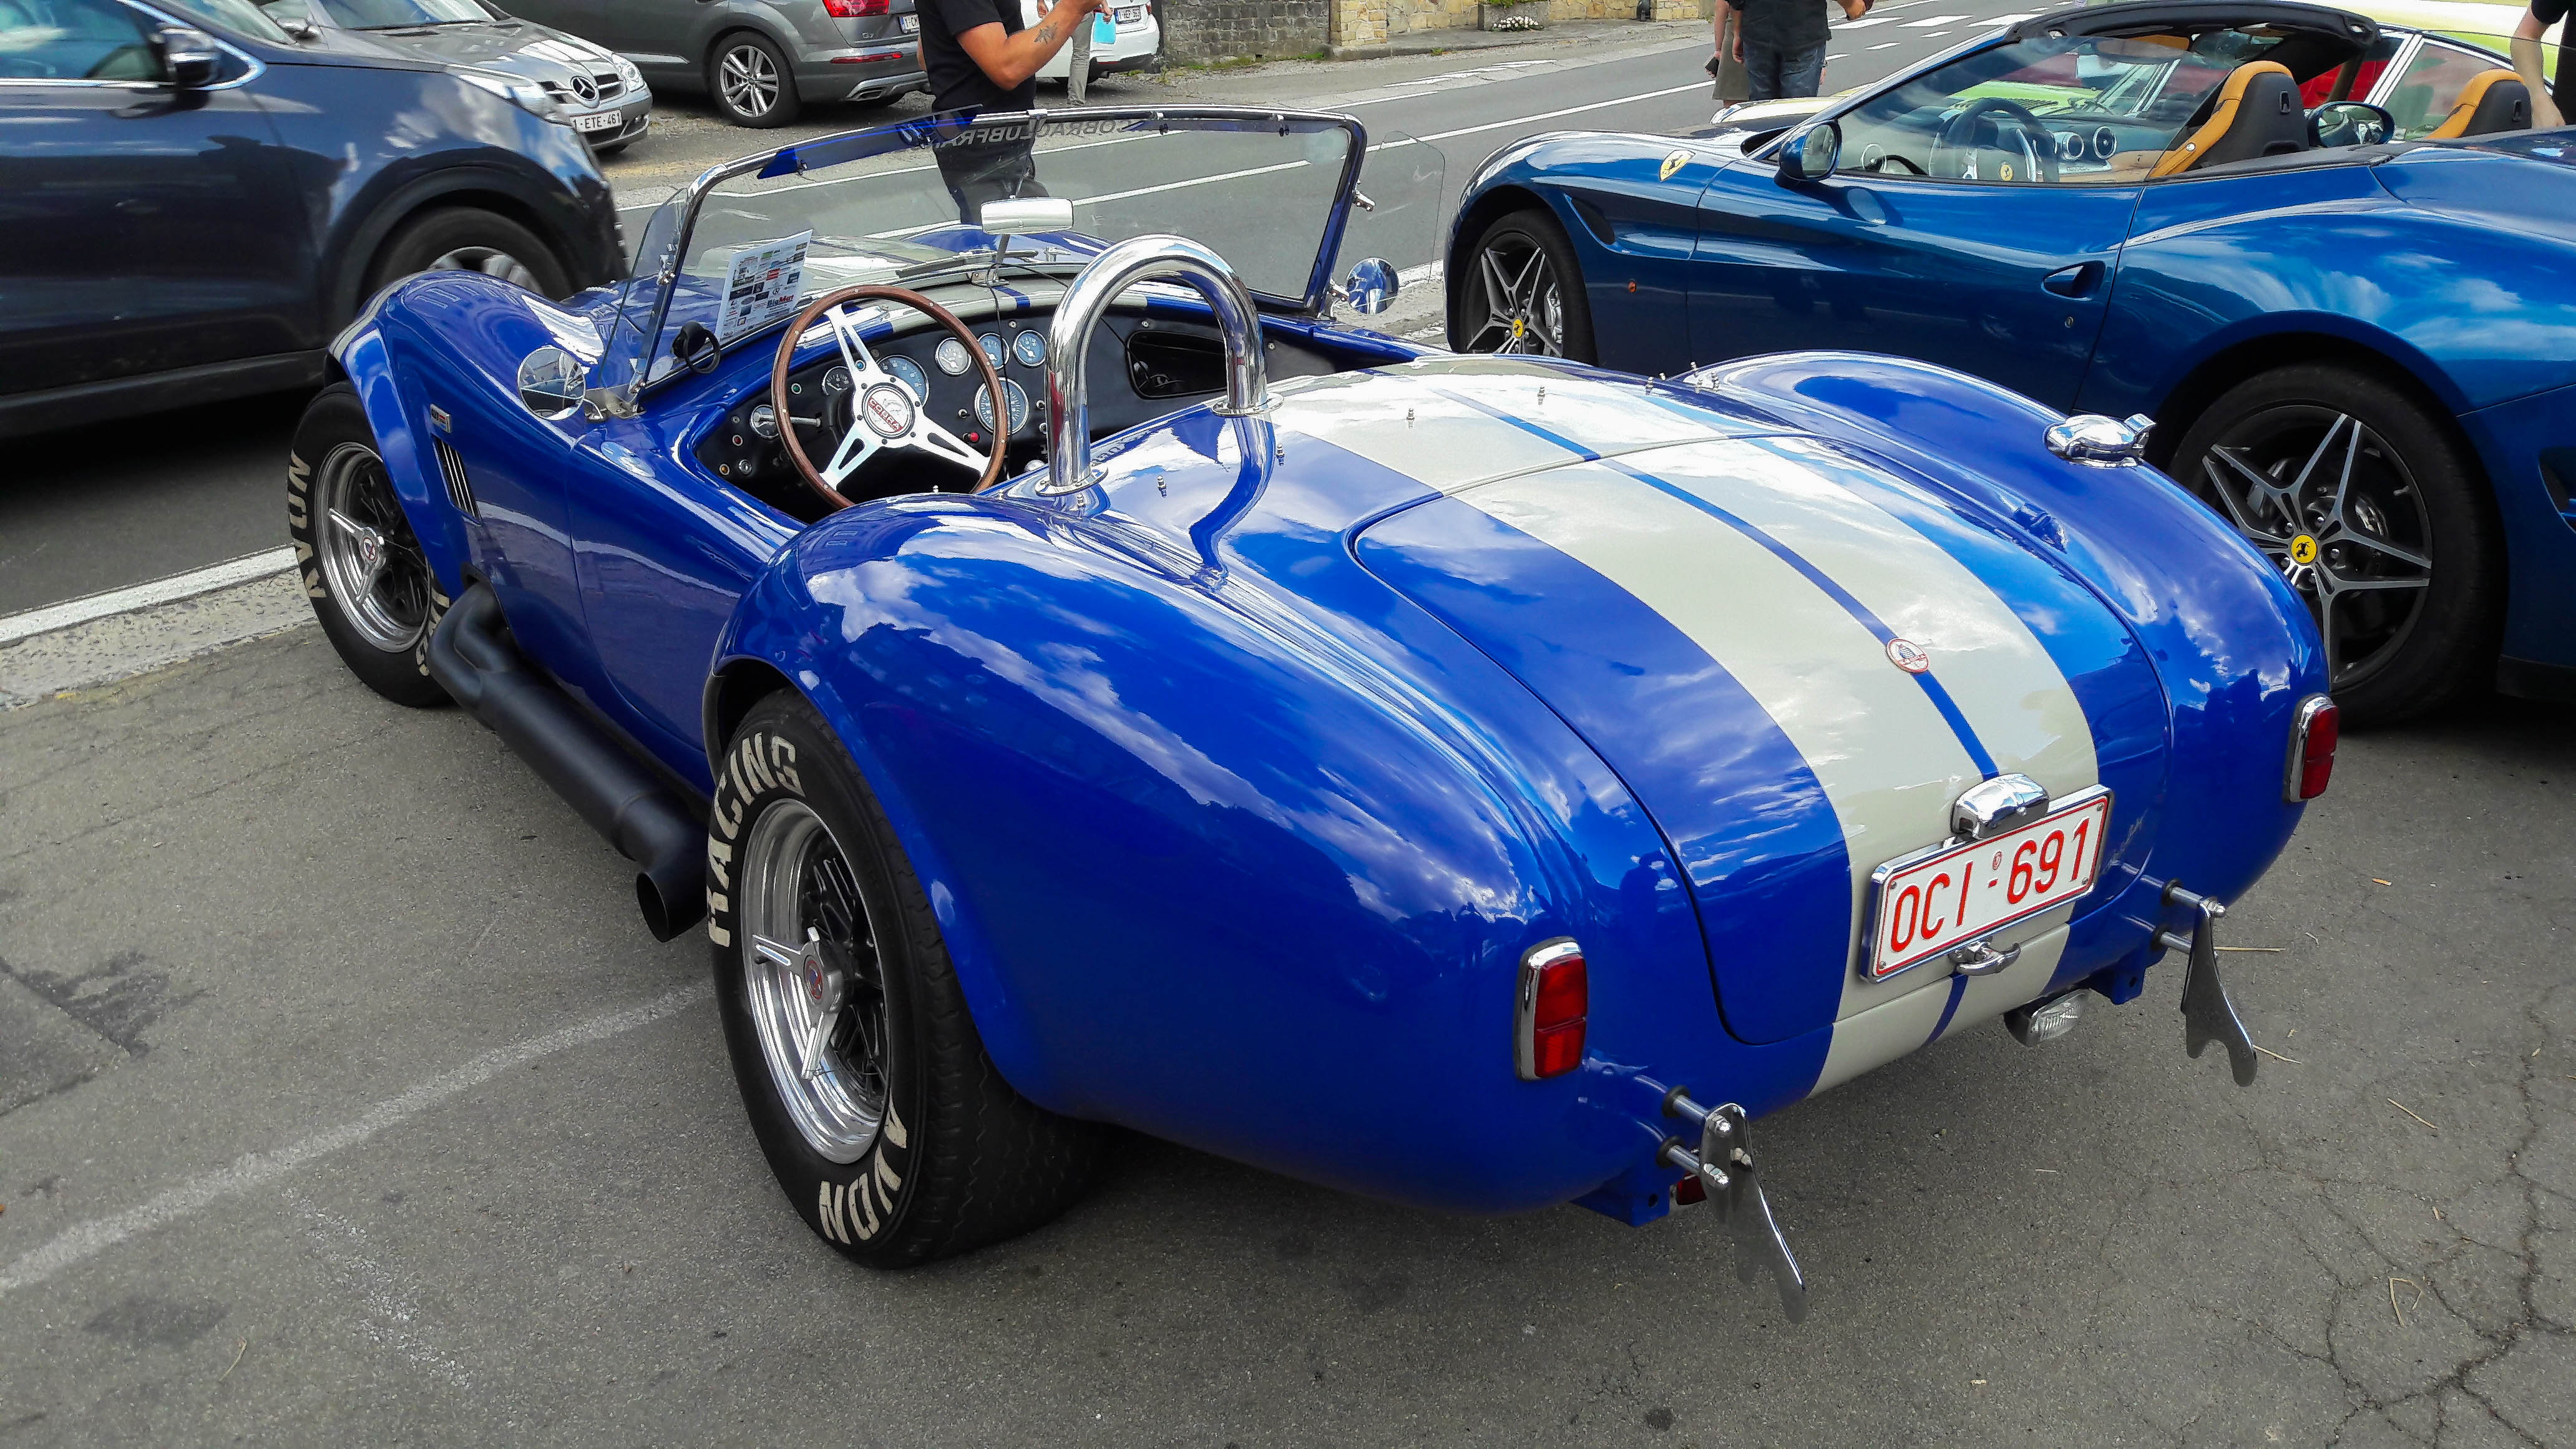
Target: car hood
(1714, 602)
(516, 47)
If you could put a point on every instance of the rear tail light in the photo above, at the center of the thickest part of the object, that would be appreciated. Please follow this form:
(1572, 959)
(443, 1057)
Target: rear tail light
(855, 9)
(1554, 998)
(2313, 733)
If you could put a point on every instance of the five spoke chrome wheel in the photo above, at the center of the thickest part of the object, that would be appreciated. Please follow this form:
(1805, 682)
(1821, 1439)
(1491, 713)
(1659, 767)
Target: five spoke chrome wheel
(747, 79)
(813, 982)
(1522, 297)
(369, 557)
(2336, 509)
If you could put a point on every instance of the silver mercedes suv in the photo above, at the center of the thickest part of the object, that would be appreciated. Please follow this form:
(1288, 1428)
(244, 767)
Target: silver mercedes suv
(761, 60)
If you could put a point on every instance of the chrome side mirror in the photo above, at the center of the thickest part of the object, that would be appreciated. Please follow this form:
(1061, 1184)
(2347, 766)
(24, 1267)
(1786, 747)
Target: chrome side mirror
(189, 59)
(2349, 123)
(1810, 154)
(1370, 288)
(552, 382)
(1021, 215)
(2100, 442)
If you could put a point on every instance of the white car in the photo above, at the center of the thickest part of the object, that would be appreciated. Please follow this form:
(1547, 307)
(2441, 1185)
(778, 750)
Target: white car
(1137, 39)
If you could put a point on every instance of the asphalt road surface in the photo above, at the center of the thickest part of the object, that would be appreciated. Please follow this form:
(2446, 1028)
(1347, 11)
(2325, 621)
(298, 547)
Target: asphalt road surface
(99, 508)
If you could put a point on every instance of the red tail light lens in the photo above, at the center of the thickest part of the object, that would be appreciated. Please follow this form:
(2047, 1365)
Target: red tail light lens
(2314, 731)
(1555, 998)
(855, 9)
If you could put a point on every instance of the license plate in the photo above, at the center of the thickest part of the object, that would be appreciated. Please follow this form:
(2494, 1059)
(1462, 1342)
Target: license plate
(1129, 14)
(1945, 896)
(604, 121)
(911, 23)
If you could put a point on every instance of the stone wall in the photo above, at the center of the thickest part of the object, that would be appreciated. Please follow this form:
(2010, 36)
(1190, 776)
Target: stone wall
(1196, 31)
(1358, 25)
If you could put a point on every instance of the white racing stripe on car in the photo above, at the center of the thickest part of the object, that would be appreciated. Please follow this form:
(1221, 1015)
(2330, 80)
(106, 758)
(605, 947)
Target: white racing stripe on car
(1889, 1030)
(1888, 762)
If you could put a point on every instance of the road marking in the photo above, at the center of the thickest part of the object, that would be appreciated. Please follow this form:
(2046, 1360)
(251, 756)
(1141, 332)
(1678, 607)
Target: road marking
(73, 1245)
(1864, 23)
(1931, 20)
(15, 627)
(1890, 45)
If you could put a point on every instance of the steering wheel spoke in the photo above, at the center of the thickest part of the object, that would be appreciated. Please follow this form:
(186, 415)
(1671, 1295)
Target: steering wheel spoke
(858, 445)
(931, 438)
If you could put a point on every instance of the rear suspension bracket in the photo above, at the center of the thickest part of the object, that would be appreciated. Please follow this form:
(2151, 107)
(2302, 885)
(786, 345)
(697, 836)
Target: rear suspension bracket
(1724, 1166)
(2207, 1014)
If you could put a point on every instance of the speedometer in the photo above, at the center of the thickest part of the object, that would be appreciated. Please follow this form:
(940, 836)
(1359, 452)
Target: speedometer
(1030, 349)
(909, 373)
(952, 357)
(1019, 404)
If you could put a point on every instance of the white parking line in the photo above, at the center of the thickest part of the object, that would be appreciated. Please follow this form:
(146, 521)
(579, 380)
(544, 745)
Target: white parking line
(14, 627)
(1932, 20)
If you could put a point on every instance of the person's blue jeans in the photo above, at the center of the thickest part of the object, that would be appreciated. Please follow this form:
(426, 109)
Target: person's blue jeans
(1777, 73)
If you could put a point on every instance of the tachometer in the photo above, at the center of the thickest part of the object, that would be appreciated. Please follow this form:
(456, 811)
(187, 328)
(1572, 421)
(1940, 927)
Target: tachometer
(952, 357)
(909, 373)
(1019, 405)
(1030, 349)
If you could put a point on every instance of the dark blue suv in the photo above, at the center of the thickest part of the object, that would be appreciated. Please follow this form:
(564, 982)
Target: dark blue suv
(194, 198)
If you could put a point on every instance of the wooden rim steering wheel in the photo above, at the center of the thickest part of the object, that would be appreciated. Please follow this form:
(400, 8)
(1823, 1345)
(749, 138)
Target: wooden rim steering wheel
(883, 412)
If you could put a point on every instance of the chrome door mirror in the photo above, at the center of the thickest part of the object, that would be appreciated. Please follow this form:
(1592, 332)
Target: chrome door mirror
(1370, 288)
(189, 59)
(1810, 154)
(1020, 216)
(2349, 123)
(2100, 442)
(552, 382)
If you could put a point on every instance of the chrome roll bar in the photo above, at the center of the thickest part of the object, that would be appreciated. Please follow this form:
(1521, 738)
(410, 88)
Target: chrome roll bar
(1068, 400)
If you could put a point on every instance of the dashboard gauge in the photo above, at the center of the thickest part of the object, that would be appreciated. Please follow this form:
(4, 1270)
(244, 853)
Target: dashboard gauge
(1019, 403)
(909, 373)
(1030, 349)
(952, 357)
(764, 421)
(837, 380)
(991, 342)
(2070, 146)
(2105, 142)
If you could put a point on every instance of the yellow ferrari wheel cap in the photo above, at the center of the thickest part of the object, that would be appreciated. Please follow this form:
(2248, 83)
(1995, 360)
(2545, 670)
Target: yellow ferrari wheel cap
(1518, 327)
(2303, 550)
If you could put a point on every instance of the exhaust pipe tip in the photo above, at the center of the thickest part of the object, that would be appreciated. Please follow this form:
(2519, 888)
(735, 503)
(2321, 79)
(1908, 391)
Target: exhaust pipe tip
(670, 907)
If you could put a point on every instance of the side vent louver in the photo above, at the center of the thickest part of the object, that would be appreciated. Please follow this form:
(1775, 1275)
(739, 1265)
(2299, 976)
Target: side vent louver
(452, 467)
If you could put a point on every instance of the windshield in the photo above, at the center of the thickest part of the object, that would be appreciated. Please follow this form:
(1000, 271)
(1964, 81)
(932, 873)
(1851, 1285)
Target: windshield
(238, 16)
(384, 14)
(893, 204)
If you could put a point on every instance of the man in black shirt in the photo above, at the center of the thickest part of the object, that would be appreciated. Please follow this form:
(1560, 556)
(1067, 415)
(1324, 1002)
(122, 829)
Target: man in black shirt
(2526, 59)
(980, 57)
(1782, 43)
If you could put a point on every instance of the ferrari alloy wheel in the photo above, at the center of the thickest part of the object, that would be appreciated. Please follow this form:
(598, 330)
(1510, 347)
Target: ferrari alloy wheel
(1523, 293)
(883, 1118)
(362, 566)
(2368, 509)
(749, 80)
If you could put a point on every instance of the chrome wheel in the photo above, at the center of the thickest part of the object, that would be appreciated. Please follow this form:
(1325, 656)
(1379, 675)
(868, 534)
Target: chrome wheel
(1524, 299)
(369, 556)
(812, 980)
(747, 79)
(2339, 513)
(490, 261)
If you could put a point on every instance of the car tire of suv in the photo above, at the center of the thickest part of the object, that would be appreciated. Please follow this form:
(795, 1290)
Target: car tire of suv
(2415, 508)
(1528, 250)
(356, 555)
(751, 83)
(468, 238)
(899, 1143)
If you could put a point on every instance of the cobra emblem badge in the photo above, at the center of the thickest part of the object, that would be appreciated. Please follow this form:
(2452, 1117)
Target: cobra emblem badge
(1907, 655)
(2303, 549)
(1673, 162)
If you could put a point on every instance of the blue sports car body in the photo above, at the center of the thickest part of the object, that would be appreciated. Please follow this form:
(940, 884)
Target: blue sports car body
(1261, 772)
(2091, 209)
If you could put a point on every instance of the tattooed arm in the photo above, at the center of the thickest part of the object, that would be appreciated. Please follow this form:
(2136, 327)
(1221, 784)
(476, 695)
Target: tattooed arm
(1012, 57)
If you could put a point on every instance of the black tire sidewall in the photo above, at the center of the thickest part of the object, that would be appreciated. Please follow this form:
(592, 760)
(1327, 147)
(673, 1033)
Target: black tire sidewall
(2452, 644)
(335, 417)
(433, 234)
(1541, 229)
(789, 103)
(783, 751)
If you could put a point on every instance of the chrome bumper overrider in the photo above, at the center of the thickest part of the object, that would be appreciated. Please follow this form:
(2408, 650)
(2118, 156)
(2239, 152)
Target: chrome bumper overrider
(1724, 1166)
(2207, 1015)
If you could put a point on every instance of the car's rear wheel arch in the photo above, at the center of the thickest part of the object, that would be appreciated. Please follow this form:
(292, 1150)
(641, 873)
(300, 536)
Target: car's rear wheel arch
(366, 245)
(2215, 375)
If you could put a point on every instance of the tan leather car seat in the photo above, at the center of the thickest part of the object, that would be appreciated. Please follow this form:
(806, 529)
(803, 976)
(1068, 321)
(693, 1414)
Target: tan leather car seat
(2255, 113)
(2493, 100)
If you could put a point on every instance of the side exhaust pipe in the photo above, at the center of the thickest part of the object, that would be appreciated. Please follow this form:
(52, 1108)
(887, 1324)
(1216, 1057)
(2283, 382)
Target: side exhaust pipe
(473, 659)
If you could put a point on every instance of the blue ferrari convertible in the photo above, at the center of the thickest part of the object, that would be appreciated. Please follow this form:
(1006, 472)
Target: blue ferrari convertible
(2355, 331)
(1076, 683)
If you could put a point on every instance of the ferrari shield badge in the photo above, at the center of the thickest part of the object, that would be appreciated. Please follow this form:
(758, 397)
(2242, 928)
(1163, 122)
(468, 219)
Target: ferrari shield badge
(1673, 161)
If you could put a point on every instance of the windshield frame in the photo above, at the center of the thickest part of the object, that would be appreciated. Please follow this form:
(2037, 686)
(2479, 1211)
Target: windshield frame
(921, 133)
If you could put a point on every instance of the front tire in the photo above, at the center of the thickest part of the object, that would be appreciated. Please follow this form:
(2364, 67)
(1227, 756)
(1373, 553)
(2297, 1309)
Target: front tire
(751, 83)
(897, 1141)
(2377, 517)
(360, 562)
(1523, 292)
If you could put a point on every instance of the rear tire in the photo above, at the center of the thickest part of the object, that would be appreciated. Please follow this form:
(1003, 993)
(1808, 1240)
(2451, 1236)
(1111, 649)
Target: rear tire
(750, 82)
(906, 1145)
(469, 239)
(1523, 292)
(2417, 532)
(360, 563)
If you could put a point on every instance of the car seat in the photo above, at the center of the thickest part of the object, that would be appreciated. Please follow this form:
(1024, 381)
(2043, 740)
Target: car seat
(2256, 112)
(2493, 100)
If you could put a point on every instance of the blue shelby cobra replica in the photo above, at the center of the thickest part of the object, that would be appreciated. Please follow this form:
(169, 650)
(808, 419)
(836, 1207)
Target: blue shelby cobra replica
(2356, 332)
(1073, 697)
